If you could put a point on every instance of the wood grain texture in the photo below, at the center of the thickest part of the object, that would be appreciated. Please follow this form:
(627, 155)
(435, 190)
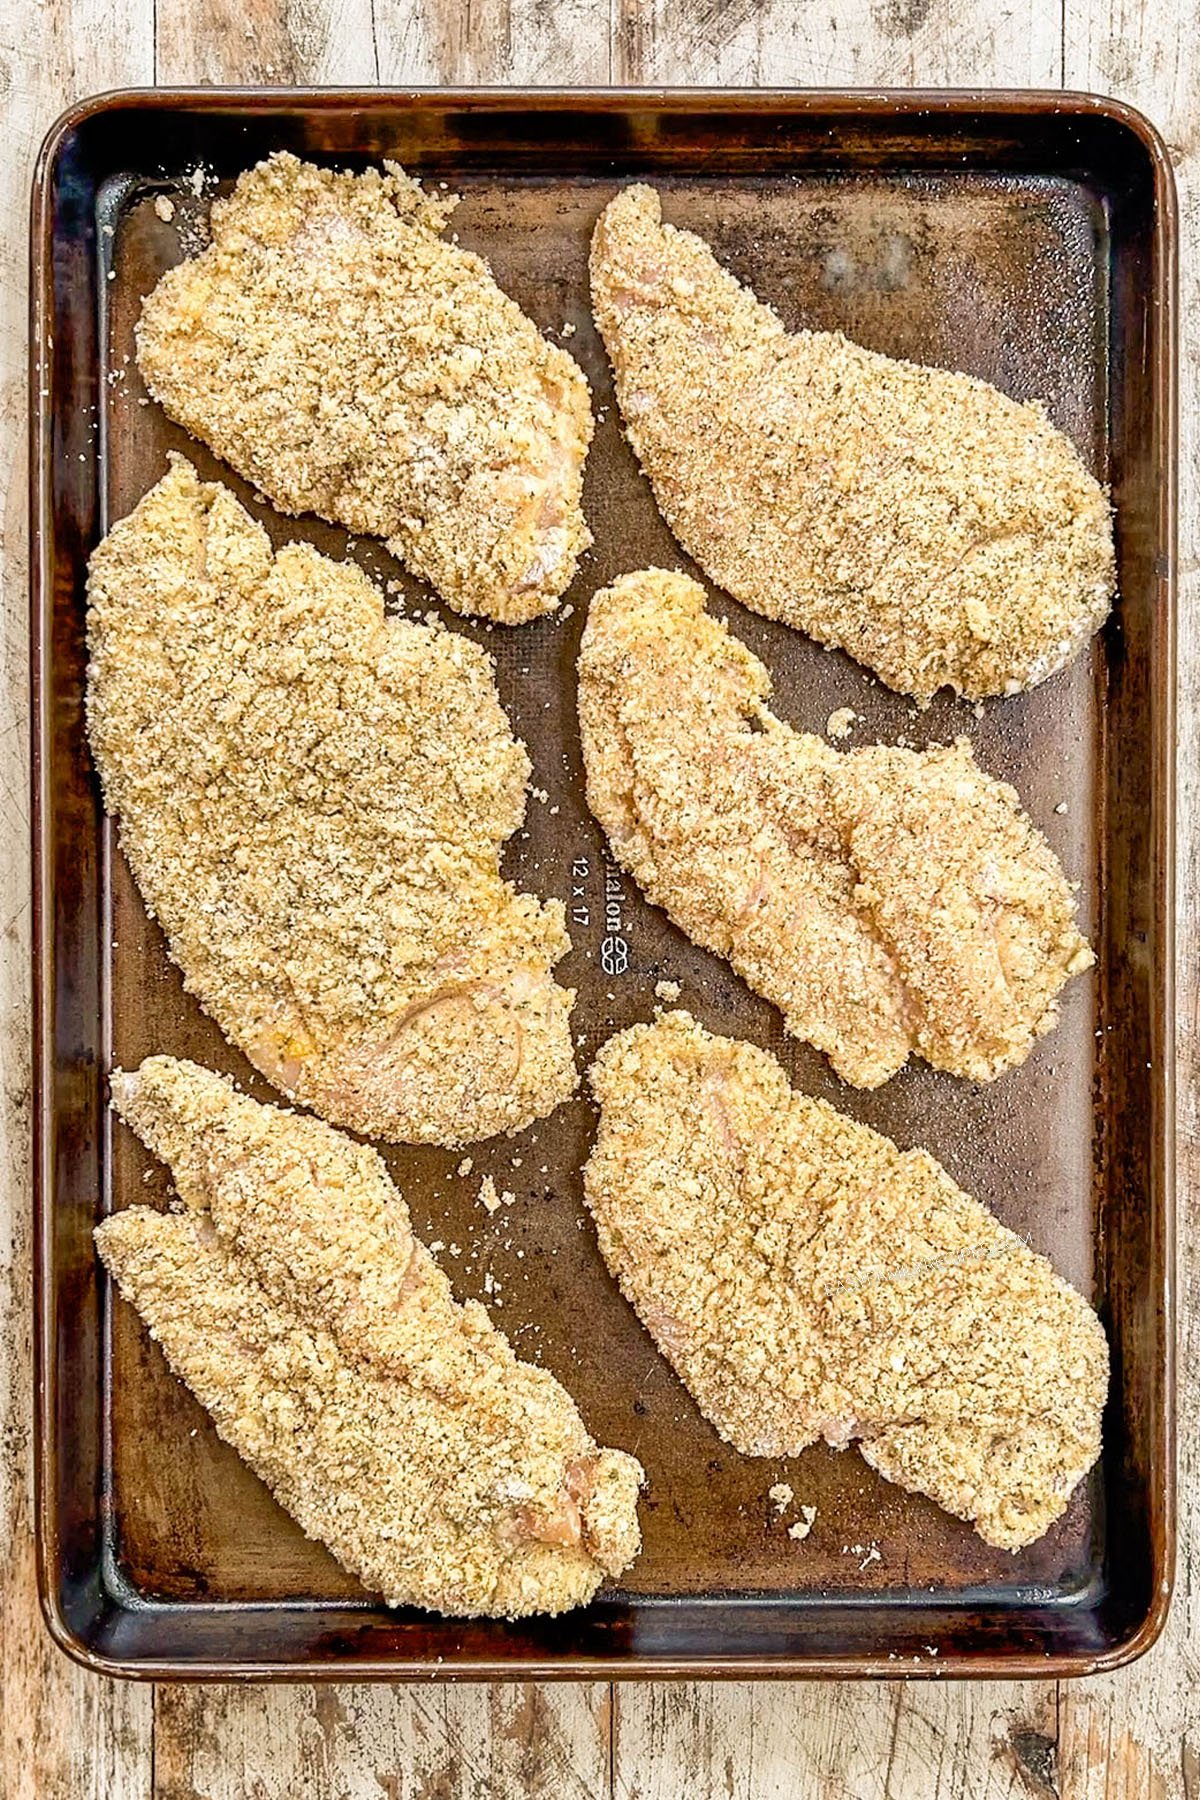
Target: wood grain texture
(1129, 1737)
(536, 43)
(265, 42)
(909, 1741)
(857, 43)
(1138, 1732)
(518, 1742)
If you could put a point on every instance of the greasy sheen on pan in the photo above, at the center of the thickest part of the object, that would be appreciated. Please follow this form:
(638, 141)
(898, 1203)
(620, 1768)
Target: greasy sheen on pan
(887, 901)
(340, 353)
(938, 531)
(808, 1279)
(395, 1425)
(313, 799)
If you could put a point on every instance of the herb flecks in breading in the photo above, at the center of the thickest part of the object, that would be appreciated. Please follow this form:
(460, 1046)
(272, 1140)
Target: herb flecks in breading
(808, 1279)
(395, 1425)
(887, 901)
(344, 356)
(919, 519)
(313, 799)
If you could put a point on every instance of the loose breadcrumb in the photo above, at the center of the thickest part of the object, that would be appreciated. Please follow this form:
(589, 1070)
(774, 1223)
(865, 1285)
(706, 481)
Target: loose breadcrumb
(395, 1425)
(667, 990)
(164, 208)
(781, 1496)
(804, 1523)
(489, 1199)
(887, 901)
(313, 800)
(938, 531)
(807, 1279)
(869, 1553)
(840, 724)
(347, 359)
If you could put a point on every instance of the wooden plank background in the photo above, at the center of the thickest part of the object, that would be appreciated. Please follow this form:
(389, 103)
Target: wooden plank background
(1133, 1736)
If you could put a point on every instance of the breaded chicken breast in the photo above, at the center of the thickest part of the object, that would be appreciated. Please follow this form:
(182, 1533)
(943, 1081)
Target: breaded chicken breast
(313, 800)
(396, 1426)
(887, 901)
(807, 1279)
(347, 359)
(921, 520)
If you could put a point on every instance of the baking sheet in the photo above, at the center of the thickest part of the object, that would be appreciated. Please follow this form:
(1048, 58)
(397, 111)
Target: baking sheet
(1012, 274)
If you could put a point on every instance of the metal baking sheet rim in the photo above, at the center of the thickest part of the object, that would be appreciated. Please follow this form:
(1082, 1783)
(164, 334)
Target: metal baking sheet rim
(874, 102)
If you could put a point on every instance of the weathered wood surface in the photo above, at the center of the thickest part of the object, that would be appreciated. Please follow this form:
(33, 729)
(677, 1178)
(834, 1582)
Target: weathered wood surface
(61, 1733)
(1134, 1736)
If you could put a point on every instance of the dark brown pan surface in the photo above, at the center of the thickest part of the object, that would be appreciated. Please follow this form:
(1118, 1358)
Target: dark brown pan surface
(1023, 244)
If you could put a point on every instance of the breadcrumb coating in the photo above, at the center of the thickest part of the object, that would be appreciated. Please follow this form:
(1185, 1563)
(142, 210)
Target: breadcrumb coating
(395, 1425)
(919, 519)
(313, 799)
(807, 1279)
(887, 901)
(338, 352)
